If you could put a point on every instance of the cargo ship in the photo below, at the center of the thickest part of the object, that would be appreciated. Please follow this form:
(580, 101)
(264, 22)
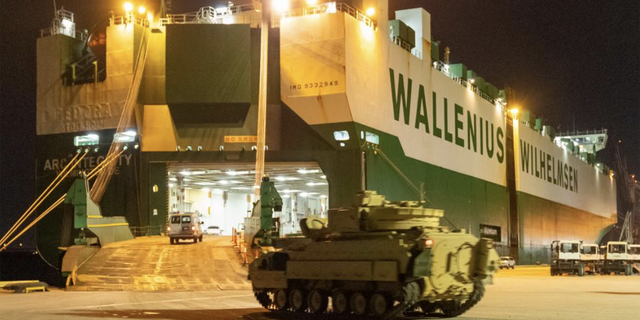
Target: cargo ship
(355, 100)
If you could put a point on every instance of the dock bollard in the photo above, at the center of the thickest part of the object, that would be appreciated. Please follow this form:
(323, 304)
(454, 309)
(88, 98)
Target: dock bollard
(244, 256)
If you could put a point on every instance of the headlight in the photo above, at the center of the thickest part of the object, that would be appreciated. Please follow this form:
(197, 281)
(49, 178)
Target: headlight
(428, 243)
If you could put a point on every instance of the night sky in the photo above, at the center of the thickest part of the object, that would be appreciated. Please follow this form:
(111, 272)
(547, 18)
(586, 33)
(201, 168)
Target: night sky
(575, 63)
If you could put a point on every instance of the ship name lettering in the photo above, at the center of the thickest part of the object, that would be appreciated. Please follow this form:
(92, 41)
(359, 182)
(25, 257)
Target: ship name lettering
(87, 163)
(471, 131)
(546, 167)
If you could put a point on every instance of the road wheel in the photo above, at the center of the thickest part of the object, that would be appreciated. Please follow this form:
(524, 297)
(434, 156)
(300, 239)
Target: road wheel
(427, 307)
(450, 307)
(297, 300)
(317, 301)
(170, 240)
(281, 300)
(340, 302)
(378, 305)
(627, 270)
(552, 272)
(200, 238)
(358, 303)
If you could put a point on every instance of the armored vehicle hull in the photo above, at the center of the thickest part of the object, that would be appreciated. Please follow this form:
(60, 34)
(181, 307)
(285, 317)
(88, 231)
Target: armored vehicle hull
(364, 266)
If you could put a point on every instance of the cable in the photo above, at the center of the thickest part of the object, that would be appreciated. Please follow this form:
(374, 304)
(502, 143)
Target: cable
(42, 215)
(100, 185)
(103, 164)
(384, 156)
(31, 207)
(63, 174)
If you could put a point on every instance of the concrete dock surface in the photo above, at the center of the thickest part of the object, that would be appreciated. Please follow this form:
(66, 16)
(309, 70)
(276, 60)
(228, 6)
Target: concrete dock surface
(527, 292)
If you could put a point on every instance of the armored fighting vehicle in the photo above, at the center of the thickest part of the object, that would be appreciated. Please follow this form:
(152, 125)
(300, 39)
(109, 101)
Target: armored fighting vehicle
(377, 259)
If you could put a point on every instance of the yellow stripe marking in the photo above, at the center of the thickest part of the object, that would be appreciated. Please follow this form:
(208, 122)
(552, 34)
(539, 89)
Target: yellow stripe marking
(32, 289)
(94, 217)
(108, 225)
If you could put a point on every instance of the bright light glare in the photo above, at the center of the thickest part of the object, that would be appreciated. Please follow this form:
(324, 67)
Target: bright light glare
(371, 11)
(514, 111)
(312, 2)
(305, 171)
(142, 9)
(280, 5)
(128, 7)
(66, 23)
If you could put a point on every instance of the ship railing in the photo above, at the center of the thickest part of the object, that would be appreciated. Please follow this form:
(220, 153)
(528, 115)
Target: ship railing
(417, 53)
(331, 7)
(581, 133)
(52, 31)
(128, 19)
(211, 15)
(444, 68)
(401, 43)
(404, 44)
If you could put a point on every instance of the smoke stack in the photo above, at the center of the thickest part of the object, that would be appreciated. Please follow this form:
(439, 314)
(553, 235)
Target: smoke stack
(446, 55)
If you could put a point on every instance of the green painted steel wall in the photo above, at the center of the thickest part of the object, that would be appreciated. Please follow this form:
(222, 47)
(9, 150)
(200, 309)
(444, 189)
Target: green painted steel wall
(467, 201)
(157, 198)
(542, 221)
(208, 63)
